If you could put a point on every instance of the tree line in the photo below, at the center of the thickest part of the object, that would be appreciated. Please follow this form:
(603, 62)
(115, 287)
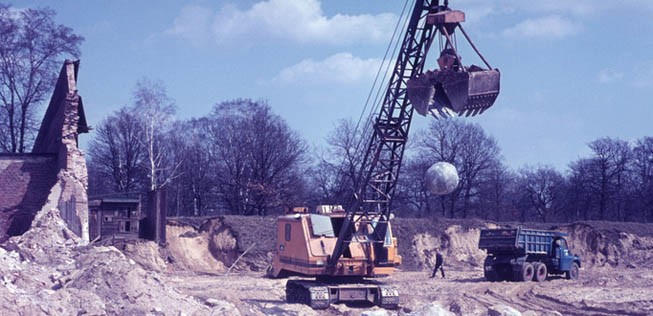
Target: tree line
(615, 182)
(243, 159)
(239, 159)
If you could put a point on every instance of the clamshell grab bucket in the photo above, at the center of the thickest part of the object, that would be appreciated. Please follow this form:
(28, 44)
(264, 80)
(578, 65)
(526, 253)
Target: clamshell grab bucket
(448, 92)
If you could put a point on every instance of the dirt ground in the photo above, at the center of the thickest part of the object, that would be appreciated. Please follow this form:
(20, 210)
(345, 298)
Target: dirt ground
(599, 291)
(616, 277)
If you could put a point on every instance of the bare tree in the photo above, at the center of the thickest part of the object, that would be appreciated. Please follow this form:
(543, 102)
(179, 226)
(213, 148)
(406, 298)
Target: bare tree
(229, 161)
(258, 160)
(339, 164)
(30, 52)
(156, 112)
(496, 193)
(193, 191)
(581, 186)
(131, 145)
(324, 182)
(412, 193)
(543, 189)
(642, 167)
(611, 158)
(474, 154)
(116, 154)
(599, 184)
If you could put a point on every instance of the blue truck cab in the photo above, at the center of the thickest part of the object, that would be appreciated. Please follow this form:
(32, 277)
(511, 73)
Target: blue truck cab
(518, 254)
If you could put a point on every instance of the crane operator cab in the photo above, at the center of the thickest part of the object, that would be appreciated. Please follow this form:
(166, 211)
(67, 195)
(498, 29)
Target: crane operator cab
(453, 89)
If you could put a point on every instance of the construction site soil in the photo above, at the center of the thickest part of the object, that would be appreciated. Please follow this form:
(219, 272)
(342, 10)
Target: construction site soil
(216, 266)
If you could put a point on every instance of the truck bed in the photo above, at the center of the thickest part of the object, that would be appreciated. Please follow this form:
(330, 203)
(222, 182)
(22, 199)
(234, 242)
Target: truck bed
(517, 240)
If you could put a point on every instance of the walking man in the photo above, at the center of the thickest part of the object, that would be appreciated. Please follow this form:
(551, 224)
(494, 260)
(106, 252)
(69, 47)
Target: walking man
(438, 264)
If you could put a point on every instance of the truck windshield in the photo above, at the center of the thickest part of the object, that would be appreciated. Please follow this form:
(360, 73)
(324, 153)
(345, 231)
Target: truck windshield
(559, 243)
(563, 243)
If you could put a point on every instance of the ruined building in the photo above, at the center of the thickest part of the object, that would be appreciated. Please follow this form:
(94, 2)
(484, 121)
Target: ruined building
(114, 218)
(121, 219)
(54, 174)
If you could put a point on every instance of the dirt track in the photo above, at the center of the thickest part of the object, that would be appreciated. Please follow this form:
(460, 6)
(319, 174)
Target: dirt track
(600, 291)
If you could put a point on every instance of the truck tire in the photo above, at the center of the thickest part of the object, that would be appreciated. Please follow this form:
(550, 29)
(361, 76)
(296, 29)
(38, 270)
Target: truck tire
(526, 273)
(505, 275)
(540, 271)
(491, 276)
(573, 272)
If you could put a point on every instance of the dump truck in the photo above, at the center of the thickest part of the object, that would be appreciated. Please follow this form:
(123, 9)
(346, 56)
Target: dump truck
(341, 253)
(519, 254)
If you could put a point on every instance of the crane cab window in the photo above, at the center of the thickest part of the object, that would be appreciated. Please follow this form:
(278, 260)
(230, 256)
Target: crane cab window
(321, 225)
(287, 232)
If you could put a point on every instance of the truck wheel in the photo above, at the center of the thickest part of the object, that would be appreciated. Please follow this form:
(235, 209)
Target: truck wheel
(490, 270)
(527, 272)
(572, 274)
(505, 275)
(491, 276)
(540, 271)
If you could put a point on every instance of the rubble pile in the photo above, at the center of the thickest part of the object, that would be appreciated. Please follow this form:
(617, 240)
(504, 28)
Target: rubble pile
(51, 271)
(148, 254)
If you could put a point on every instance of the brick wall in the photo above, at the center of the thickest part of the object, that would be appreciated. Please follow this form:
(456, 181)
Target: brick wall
(25, 183)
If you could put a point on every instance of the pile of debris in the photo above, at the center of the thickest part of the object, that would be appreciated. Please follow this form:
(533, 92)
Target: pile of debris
(49, 270)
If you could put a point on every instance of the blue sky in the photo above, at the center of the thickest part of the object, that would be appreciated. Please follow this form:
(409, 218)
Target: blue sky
(572, 71)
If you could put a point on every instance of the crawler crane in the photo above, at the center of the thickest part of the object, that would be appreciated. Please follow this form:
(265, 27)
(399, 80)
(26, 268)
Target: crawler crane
(343, 250)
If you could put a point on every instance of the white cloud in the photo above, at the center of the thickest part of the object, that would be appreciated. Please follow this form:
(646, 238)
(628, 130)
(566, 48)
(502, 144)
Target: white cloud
(192, 24)
(341, 68)
(295, 20)
(609, 75)
(476, 12)
(548, 27)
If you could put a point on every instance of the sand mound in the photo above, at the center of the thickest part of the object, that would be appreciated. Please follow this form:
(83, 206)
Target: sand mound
(256, 234)
(459, 247)
(419, 239)
(609, 246)
(208, 248)
(462, 246)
